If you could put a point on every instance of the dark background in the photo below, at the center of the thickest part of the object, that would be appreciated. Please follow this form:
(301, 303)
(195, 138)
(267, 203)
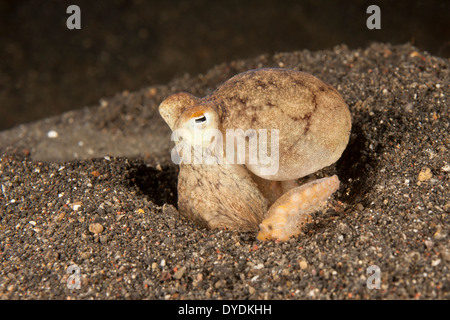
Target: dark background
(46, 69)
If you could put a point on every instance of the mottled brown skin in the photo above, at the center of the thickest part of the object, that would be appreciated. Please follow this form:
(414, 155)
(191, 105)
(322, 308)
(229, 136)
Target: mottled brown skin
(220, 196)
(314, 123)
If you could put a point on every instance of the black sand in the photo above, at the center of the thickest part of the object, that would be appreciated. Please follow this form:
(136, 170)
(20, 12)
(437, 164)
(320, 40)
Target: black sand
(392, 210)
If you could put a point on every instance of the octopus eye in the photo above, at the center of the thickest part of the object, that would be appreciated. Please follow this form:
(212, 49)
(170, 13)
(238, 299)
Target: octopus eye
(200, 120)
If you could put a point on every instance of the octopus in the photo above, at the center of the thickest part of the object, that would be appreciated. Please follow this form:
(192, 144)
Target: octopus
(309, 126)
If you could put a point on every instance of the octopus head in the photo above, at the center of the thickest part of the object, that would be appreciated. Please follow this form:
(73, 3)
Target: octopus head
(198, 128)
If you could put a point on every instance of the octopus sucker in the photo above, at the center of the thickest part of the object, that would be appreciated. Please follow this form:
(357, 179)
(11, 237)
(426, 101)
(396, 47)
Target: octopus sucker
(298, 211)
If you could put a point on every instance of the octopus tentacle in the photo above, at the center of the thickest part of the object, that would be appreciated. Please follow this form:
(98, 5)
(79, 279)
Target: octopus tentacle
(290, 212)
